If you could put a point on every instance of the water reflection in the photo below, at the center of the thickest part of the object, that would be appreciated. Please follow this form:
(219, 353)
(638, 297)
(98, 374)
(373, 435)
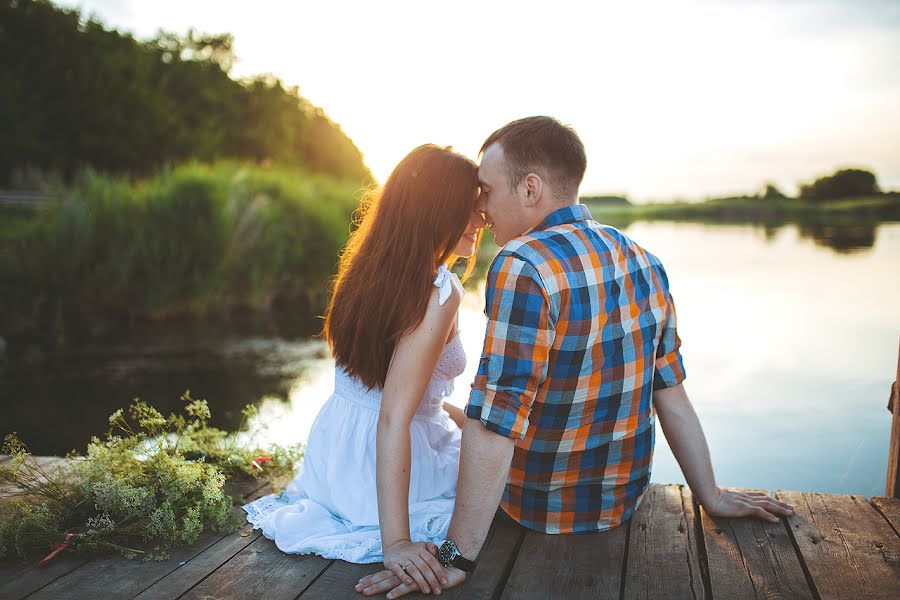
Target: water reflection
(842, 238)
(843, 235)
(790, 350)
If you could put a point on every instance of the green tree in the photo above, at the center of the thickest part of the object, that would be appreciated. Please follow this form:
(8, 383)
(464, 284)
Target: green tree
(772, 193)
(75, 94)
(844, 183)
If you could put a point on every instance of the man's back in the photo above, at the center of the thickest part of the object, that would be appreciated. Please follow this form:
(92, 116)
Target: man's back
(581, 331)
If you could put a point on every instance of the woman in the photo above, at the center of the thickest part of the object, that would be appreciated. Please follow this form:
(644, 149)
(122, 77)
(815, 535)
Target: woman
(379, 476)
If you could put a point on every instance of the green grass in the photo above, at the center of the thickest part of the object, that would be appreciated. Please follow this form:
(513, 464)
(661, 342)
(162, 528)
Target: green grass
(192, 240)
(16, 222)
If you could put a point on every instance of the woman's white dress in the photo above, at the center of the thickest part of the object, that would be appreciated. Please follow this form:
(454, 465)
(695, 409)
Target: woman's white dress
(331, 506)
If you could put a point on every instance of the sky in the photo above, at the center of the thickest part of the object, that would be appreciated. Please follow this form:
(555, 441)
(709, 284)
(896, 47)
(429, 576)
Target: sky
(672, 99)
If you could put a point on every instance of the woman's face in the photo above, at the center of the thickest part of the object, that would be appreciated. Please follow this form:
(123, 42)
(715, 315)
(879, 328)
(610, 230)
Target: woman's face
(466, 245)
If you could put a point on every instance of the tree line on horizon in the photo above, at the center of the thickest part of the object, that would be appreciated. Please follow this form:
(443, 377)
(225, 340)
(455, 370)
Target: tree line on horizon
(77, 95)
(841, 185)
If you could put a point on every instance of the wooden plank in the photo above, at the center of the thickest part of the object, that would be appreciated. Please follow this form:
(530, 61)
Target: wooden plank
(663, 551)
(261, 570)
(19, 579)
(337, 582)
(890, 510)
(752, 558)
(4, 458)
(494, 564)
(849, 549)
(114, 578)
(244, 488)
(196, 569)
(587, 565)
(892, 487)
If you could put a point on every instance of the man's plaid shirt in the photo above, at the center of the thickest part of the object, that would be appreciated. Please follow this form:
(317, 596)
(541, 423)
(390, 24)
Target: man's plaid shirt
(581, 330)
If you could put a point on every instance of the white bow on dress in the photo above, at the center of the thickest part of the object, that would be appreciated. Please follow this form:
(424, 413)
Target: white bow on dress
(444, 283)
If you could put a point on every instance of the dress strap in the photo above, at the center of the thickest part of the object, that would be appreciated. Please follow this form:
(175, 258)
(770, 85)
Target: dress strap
(444, 283)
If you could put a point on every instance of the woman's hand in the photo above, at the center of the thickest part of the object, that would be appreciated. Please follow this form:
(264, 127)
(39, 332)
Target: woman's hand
(416, 562)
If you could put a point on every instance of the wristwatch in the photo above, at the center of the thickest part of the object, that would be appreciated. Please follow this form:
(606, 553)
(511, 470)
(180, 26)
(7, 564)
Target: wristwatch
(449, 556)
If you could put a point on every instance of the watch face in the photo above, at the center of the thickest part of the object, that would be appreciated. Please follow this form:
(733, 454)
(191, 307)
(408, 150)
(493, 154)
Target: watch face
(447, 552)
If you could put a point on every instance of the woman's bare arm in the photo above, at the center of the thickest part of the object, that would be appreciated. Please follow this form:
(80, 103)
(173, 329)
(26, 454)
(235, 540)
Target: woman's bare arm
(411, 369)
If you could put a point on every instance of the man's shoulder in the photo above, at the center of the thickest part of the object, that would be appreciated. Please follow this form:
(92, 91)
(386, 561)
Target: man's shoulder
(571, 239)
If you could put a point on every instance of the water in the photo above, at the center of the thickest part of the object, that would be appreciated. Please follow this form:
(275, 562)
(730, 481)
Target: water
(790, 347)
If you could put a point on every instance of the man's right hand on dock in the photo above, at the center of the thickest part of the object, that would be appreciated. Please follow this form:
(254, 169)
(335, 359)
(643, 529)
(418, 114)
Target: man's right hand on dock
(730, 503)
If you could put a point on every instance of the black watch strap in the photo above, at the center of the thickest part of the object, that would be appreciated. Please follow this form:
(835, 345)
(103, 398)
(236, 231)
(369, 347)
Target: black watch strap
(449, 556)
(463, 564)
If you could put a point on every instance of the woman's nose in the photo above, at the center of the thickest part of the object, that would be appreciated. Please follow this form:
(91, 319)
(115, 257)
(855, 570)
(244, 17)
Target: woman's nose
(477, 220)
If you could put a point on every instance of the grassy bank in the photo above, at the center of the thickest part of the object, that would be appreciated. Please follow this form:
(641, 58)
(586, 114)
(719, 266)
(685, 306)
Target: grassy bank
(754, 210)
(193, 240)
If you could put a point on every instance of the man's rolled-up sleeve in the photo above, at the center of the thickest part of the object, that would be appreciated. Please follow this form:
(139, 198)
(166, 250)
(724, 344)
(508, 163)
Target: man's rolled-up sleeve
(669, 366)
(517, 345)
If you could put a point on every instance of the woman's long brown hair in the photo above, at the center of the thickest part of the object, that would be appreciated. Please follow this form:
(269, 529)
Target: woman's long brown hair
(387, 269)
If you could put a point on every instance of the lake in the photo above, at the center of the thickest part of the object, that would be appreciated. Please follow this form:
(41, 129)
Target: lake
(790, 346)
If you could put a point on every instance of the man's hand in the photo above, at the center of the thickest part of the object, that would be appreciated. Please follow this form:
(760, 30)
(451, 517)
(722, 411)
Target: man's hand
(383, 581)
(728, 503)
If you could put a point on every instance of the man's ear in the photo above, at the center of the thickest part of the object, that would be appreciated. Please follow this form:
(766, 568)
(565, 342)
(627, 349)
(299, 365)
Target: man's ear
(534, 187)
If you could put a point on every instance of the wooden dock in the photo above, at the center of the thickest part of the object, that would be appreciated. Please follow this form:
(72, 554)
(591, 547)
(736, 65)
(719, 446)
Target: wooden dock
(834, 547)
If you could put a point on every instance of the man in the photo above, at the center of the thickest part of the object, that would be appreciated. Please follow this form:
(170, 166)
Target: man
(581, 347)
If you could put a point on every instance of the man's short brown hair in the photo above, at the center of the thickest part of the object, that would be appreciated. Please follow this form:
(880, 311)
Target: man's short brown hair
(544, 146)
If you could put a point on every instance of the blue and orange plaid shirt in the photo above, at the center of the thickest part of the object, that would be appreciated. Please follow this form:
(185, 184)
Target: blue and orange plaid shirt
(581, 331)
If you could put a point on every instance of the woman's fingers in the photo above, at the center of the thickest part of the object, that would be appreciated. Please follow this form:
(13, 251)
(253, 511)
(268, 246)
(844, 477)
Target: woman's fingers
(398, 570)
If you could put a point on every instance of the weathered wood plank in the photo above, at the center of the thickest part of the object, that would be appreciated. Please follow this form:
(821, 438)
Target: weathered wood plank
(663, 550)
(19, 579)
(890, 509)
(752, 558)
(568, 566)
(261, 570)
(849, 549)
(494, 564)
(244, 488)
(200, 566)
(114, 578)
(337, 582)
(4, 458)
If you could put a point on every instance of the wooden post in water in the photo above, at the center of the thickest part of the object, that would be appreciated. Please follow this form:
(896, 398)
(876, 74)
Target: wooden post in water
(893, 472)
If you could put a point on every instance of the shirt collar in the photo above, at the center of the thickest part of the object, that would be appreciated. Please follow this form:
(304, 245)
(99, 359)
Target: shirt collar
(560, 216)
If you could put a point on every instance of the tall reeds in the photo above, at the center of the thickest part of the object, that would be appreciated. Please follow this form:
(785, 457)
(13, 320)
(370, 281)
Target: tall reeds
(190, 240)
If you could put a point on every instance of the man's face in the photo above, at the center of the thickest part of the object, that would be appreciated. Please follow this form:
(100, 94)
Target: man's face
(501, 205)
